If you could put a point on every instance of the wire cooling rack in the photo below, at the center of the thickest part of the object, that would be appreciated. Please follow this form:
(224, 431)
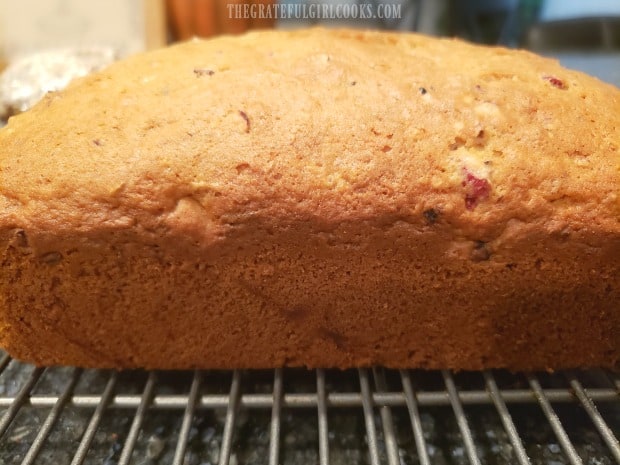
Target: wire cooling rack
(292, 416)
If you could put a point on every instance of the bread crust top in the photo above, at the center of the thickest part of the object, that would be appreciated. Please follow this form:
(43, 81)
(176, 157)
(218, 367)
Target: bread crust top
(328, 126)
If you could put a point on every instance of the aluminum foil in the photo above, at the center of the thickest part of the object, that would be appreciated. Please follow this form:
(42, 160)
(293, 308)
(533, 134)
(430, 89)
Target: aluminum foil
(27, 80)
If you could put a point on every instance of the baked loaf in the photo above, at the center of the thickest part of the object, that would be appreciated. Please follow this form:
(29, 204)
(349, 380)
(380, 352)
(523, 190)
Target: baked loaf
(319, 198)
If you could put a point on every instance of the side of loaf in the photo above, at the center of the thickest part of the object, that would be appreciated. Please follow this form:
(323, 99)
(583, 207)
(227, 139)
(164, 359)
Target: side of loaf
(315, 198)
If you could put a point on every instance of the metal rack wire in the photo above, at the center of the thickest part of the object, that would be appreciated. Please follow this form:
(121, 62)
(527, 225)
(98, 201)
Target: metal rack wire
(383, 400)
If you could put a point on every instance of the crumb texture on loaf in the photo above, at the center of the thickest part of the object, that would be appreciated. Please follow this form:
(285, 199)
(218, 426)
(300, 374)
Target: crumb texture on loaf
(286, 189)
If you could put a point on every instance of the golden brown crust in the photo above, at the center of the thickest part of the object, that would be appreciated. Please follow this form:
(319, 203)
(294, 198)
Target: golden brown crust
(321, 198)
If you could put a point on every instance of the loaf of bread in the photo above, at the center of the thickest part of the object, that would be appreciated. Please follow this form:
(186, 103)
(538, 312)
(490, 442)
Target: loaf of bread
(315, 198)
